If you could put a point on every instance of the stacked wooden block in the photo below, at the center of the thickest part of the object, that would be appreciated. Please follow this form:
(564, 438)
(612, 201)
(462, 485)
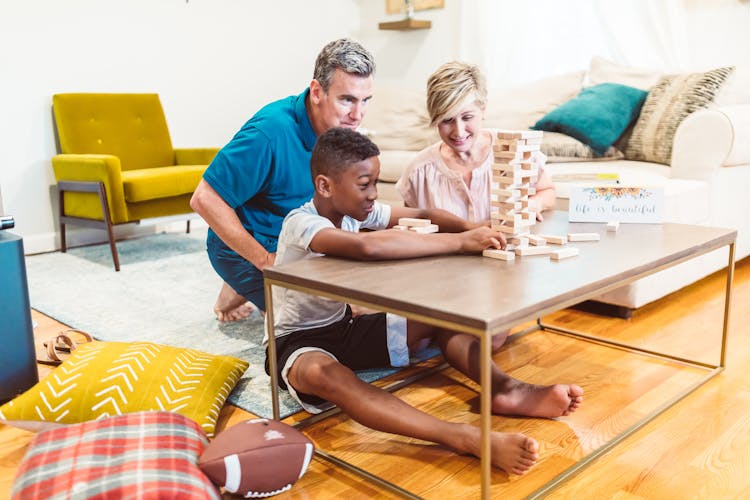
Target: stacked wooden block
(514, 171)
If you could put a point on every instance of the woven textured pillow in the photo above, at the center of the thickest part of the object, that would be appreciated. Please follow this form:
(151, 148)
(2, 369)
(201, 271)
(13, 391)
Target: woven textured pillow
(103, 379)
(145, 455)
(668, 103)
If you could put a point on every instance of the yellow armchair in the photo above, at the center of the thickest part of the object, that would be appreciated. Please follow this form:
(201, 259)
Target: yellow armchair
(117, 164)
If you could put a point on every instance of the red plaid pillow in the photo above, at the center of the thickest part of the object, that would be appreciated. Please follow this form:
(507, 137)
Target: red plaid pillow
(137, 455)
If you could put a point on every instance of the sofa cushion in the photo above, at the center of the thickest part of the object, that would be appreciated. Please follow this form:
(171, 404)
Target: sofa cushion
(672, 99)
(604, 71)
(597, 116)
(520, 106)
(161, 182)
(561, 148)
(736, 90)
(397, 119)
(393, 163)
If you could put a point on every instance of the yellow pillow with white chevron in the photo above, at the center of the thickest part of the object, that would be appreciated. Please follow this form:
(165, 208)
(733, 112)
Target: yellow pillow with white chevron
(103, 379)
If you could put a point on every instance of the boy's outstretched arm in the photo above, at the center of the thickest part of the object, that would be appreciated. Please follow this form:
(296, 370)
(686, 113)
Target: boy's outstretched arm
(385, 245)
(448, 222)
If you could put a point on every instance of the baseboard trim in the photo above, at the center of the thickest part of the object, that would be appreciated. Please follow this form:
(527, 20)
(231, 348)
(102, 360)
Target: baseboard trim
(78, 236)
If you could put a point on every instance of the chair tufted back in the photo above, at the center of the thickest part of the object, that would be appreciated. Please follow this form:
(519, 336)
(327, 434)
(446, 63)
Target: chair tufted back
(130, 126)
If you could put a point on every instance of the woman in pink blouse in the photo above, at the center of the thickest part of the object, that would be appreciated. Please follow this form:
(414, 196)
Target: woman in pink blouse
(454, 174)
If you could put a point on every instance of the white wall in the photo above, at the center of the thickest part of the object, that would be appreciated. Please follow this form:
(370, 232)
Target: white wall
(215, 62)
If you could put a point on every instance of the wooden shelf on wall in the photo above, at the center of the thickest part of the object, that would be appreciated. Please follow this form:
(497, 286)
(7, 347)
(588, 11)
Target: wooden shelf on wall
(406, 24)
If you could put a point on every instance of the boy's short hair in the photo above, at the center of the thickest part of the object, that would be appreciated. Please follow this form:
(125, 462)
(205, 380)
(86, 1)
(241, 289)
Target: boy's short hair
(339, 148)
(450, 85)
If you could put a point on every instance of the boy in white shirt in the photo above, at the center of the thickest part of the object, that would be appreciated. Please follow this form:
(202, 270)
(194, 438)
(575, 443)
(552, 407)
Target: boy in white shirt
(320, 343)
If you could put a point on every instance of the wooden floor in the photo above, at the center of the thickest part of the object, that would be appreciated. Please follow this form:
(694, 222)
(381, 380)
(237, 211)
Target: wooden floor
(700, 448)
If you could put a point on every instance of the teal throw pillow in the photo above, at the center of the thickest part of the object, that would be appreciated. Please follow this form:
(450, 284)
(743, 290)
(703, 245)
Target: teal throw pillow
(597, 116)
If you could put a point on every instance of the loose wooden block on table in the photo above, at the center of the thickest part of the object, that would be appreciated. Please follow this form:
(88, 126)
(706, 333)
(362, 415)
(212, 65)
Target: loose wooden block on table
(542, 250)
(536, 240)
(494, 253)
(564, 253)
(554, 239)
(583, 237)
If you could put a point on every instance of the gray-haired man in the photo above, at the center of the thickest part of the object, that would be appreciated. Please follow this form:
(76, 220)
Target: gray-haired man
(264, 172)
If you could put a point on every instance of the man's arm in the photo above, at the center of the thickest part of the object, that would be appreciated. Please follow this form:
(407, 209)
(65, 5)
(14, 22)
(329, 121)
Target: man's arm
(448, 222)
(386, 245)
(222, 218)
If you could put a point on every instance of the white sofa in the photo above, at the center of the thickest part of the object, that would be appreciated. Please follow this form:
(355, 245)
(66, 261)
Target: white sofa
(707, 182)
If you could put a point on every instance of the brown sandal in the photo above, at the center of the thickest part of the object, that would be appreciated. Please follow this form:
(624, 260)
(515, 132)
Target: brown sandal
(62, 343)
(65, 343)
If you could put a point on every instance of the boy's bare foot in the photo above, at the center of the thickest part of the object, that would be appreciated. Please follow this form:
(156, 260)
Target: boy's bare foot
(512, 452)
(231, 306)
(531, 400)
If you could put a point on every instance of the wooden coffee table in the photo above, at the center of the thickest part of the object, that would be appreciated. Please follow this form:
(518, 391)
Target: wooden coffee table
(483, 296)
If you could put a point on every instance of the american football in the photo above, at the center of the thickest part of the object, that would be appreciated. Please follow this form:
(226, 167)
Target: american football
(257, 458)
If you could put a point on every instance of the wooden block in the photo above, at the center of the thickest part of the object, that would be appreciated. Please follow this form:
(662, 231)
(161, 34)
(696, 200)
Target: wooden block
(536, 240)
(400, 228)
(511, 156)
(519, 241)
(411, 222)
(432, 228)
(525, 147)
(506, 168)
(557, 240)
(505, 229)
(509, 145)
(495, 253)
(583, 236)
(506, 193)
(564, 253)
(519, 134)
(542, 250)
(512, 180)
(512, 219)
(507, 205)
(613, 226)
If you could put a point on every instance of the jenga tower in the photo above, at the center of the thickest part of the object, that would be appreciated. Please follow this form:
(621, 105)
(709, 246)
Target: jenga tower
(513, 172)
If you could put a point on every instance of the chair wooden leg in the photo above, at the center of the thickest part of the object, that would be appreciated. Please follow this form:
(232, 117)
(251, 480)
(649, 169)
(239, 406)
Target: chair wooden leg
(108, 222)
(88, 187)
(60, 215)
(188, 226)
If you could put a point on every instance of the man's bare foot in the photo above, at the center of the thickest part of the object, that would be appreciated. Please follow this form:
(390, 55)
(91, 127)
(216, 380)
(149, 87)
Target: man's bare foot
(531, 400)
(231, 306)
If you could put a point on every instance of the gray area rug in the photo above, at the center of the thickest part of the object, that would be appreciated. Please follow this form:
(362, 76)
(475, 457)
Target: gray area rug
(164, 293)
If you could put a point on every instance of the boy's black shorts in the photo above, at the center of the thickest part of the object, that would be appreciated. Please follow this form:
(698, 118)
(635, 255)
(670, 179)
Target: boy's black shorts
(357, 342)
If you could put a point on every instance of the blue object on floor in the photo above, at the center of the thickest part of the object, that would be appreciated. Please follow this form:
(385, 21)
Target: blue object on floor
(17, 355)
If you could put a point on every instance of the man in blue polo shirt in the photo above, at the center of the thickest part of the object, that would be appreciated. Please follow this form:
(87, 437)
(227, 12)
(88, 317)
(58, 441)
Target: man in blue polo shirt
(264, 172)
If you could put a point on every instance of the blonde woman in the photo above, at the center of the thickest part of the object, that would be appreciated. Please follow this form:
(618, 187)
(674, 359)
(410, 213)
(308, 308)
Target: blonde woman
(454, 174)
